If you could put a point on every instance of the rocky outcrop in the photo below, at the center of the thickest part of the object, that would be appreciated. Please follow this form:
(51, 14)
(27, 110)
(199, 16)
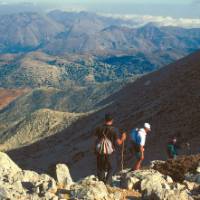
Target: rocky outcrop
(154, 185)
(150, 184)
(63, 176)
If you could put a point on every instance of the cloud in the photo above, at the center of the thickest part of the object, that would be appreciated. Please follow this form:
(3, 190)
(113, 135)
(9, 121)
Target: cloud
(140, 20)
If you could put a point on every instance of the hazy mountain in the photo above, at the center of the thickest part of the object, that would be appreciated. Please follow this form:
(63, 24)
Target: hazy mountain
(26, 31)
(168, 99)
(66, 32)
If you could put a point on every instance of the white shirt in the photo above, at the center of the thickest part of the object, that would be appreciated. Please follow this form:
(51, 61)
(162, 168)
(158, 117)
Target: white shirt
(142, 135)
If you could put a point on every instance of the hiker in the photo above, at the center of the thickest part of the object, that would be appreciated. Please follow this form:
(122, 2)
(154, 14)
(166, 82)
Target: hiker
(106, 144)
(172, 148)
(138, 137)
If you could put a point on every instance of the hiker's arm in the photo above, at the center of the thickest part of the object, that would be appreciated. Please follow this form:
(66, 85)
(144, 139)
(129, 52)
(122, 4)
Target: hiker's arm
(123, 138)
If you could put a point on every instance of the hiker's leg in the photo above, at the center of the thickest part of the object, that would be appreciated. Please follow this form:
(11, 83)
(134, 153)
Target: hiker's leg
(100, 168)
(110, 168)
(138, 162)
(137, 165)
(116, 162)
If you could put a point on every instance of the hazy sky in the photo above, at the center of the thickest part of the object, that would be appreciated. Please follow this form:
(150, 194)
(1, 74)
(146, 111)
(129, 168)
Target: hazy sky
(173, 8)
(105, 1)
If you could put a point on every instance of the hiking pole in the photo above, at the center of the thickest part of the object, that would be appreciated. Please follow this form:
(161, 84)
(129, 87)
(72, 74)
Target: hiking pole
(122, 157)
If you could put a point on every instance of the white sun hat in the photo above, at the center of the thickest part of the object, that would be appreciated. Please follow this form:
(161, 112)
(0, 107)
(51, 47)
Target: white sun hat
(147, 125)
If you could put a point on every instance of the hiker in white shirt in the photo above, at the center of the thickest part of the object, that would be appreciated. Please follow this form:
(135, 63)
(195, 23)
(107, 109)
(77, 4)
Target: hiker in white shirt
(139, 140)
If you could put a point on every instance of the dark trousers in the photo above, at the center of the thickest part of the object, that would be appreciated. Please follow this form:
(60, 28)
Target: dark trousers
(105, 164)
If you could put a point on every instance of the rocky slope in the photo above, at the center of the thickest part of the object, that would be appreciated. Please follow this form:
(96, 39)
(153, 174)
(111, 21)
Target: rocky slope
(168, 99)
(36, 126)
(16, 183)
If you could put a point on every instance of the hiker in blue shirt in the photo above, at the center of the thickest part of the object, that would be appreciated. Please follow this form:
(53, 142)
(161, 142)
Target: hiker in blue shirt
(138, 137)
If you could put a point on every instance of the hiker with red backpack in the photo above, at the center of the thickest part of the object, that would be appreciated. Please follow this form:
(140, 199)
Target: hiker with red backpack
(106, 144)
(138, 138)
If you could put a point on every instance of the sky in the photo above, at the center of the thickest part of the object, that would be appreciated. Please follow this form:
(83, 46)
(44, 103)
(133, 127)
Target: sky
(172, 8)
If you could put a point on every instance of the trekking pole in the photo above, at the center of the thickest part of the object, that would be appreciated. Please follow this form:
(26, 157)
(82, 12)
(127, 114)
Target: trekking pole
(122, 157)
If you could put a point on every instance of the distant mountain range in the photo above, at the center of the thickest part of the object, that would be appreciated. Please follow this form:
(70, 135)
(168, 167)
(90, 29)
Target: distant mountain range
(80, 48)
(66, 32)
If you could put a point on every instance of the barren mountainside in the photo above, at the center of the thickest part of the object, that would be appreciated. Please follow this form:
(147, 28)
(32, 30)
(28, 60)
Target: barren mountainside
(168, 99)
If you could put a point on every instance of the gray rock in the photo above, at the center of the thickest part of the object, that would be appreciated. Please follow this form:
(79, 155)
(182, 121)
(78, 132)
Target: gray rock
(190, 185)
(169, 180)
(132, 183)
(4, 193)
(198, 169)
(155, 162)
(198, 178)
(7, 166)
(168, 195)
(179, 186)
(63, 175)
(90, 189)
(144, 179)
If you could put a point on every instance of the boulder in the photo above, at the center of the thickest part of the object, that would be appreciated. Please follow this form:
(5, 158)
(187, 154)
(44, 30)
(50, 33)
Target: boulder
(90, 189)
(190, 185)
(63, 175)
(153, 183)
(138, 179)
(168, 195)
(7, 166)
(156, 162)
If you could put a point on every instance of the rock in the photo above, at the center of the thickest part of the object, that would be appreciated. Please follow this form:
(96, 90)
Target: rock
(7, 166)
(198, 179)
(153, 184)
(189, 185)
(156, 162)
(4, 194)
(179, 186)
(132, 183)
(198, 169)
(63, 175)
(90, 189)
(190, 177)
(116, 181)
(168, 195)
(140, 178)
(169, 180)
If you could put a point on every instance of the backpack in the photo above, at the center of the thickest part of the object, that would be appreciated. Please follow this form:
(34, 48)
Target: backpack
(104, 146)
(135, 140)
